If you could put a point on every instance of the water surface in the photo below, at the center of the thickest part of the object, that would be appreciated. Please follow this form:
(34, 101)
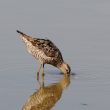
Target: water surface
(81, 30)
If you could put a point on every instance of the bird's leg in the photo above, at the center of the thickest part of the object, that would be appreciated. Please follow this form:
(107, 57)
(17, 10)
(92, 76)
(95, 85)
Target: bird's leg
(40, 65)
(43, 71)
(41, 83)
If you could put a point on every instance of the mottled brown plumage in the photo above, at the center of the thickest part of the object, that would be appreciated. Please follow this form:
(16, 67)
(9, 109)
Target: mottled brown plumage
(45, 51)
(49, 49)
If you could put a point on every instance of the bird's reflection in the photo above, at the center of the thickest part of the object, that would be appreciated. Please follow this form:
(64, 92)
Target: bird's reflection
(46, 96)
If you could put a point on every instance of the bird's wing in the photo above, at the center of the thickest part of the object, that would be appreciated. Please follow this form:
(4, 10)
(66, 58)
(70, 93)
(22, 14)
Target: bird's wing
(48, 47)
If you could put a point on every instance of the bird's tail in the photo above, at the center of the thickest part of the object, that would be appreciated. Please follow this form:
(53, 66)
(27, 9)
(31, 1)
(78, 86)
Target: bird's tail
(29, 38)
(21, 33)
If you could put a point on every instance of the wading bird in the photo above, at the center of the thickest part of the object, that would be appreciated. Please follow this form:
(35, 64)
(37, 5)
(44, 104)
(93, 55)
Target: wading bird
(46, 52)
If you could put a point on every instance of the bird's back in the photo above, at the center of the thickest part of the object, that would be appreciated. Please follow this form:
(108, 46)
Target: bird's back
(48, 48)
(43, 49)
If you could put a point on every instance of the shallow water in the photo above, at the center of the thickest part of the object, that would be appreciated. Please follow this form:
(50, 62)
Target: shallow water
(81, 30)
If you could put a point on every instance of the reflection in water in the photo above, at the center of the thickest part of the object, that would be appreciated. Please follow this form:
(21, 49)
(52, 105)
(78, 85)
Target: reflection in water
(46, 97)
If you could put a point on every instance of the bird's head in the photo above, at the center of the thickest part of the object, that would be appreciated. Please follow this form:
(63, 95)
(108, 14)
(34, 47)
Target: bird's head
(65, 68)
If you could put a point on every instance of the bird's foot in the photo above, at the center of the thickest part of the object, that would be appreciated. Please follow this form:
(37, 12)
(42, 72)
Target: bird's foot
(43, 74)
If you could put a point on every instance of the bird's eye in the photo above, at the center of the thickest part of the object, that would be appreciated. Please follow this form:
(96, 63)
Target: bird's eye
(67, 70)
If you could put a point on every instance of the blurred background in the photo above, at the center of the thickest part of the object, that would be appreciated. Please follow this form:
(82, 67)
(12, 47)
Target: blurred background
(81, 30)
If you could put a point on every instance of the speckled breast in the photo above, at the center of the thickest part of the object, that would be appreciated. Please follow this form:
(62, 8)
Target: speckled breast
(39, 55)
